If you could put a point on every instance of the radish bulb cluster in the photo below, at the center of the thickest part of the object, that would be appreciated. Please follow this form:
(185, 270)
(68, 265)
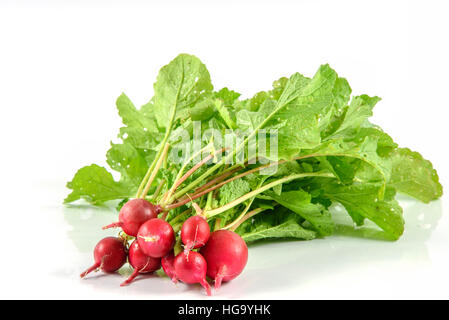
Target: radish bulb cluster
(220, 255)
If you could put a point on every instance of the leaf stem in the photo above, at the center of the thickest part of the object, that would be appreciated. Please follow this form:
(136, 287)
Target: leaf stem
(155, 171)
(179, 216)
(162, 147)
(147, 175)
(180, 180)
(210, 197)
(236, 150)
(212, 182)
(158, 190)
(233, 226)
(189, 198)
(181, 171)
(264, 188)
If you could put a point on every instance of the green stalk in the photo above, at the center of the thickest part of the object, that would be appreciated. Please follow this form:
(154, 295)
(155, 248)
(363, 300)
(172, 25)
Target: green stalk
(234, 225)
(210, 197)
(147, 175)
(188, 198)
(179, 216)
(176, 196)
(266, 187)
(158, 190)
(155, 171)
(180, 179)
(162, 147)
(231, 155)
(179, 175)
(212, 182)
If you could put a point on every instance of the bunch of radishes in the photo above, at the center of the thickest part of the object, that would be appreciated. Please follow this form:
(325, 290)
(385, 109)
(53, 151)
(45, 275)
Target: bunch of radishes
(222, 254)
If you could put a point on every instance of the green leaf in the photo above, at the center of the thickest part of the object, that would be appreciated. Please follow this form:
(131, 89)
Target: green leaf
(287, 168)
(341, 94)
(127, 160)
(362, 200)
(96, 185)
(331, 121)
(249, 120)
(363, 148)
(226, 114)
(259, 98)
(179, 86)
(344, 168)
(141, 129)
(228, 97)
(233, 190)
(131, 117)
(414, 176)
(203, 110)
(297, 113)
(140, 139)
(266, 226)
(357, 113)
(385, 143)
(300, 203)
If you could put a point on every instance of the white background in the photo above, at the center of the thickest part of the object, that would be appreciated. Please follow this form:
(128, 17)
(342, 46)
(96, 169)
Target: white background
(63, 64)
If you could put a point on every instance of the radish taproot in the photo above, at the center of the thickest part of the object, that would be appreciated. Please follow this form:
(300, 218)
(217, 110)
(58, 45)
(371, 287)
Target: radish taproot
(140, 262)
(194, 233)
(192, 268)
(109, 256)
(133, 214)
(167, 263)
(226, 254)
(156, 238)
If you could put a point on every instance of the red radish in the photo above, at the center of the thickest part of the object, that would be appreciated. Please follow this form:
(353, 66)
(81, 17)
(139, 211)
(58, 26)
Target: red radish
(156, 238)
(140, 262)
(133, 214)
(168, 266)
(109, 255)
(226, 254)
(192, 269)
(194, 233)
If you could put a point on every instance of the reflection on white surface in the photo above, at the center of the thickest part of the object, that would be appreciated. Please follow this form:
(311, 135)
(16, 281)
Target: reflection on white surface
(276, 266)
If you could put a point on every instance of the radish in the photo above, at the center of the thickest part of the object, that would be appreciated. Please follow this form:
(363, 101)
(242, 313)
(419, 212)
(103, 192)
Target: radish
(168, 266)
(156, 238)
(192, 269)
(194, 233)
(226, 254)
(133, 214)
(109, 255)
(140, 262)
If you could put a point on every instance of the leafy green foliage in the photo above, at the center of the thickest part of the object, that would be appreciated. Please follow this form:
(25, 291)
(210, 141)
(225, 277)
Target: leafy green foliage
(270, 225)
(179, 86)
(319, 128)
(233, 190)
(415, 176)
(362, 201)
(300, 203)
(96, 185)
